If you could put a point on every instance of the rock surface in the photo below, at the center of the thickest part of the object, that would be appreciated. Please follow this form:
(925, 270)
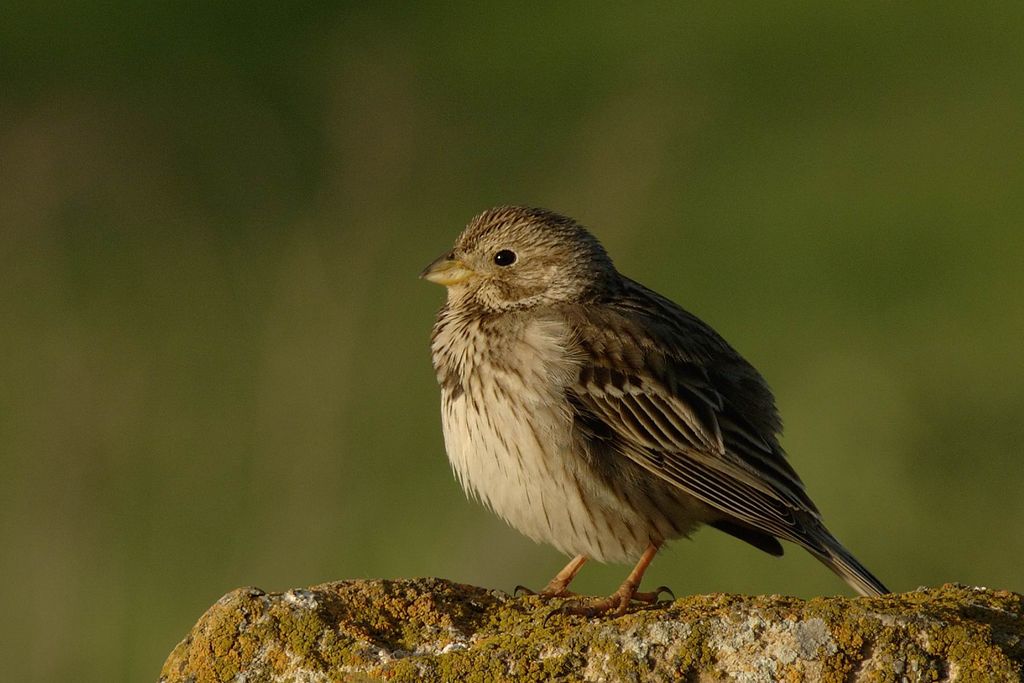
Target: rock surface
(435, 630)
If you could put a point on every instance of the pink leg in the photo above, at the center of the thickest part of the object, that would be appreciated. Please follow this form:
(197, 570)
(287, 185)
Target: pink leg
(557, 587)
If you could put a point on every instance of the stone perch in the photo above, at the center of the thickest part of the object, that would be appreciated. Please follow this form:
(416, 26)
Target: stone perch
(436, 630)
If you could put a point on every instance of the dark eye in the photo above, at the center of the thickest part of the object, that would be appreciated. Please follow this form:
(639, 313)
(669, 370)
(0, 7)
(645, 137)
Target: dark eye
(505, 257)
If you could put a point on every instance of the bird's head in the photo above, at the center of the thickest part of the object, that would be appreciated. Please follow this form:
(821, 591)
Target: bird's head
(515, 257)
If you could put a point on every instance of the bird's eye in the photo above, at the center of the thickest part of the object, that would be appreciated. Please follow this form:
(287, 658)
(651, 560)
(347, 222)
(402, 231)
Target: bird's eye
(505, 257)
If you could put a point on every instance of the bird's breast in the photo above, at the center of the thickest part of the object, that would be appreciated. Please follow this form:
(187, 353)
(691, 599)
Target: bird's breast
(509, 434)
(505, 413)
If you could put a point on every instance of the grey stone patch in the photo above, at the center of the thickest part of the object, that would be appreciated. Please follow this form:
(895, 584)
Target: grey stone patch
(305, 599)
(813, 636)
(760, 652)
(454, 647)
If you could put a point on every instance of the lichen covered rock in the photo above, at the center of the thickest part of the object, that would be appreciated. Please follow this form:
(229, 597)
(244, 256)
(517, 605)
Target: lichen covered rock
(430, 629)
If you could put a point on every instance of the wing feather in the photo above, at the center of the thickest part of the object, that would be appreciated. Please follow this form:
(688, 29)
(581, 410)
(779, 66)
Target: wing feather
(681, 409)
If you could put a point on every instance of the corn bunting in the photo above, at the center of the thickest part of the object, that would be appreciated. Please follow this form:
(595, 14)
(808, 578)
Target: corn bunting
(597, 416)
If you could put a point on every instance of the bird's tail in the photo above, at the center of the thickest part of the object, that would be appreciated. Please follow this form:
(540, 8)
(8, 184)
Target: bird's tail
(842, 562)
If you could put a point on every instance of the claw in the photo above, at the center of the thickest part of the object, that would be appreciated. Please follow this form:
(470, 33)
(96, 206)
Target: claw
(653, 597)
(520, 591)
(558, 611)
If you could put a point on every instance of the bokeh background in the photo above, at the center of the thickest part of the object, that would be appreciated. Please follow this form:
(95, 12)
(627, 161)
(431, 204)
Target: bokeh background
(213, 355)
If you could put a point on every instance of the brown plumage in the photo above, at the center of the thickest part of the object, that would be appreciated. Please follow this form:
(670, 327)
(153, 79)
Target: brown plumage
(597, 416)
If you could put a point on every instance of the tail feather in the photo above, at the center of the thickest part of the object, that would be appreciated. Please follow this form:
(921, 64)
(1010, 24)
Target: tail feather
(838, 559)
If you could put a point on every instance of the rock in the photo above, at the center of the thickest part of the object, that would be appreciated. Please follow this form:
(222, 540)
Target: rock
(436, 630)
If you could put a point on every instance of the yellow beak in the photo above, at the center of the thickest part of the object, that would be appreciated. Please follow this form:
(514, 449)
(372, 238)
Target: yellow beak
(446, 270)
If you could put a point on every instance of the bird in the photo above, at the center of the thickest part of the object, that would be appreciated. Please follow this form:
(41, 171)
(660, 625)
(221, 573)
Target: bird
(599, 417)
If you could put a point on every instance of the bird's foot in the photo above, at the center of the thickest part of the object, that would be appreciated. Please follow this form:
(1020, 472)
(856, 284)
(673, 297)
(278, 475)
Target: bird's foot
(616, 604)
(554, 589)
(652, 597)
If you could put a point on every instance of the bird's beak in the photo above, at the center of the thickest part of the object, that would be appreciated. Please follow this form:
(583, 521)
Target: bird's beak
(447, 270)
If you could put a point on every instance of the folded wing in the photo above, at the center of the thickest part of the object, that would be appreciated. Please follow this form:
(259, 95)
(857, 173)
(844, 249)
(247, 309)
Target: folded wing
(675, 402)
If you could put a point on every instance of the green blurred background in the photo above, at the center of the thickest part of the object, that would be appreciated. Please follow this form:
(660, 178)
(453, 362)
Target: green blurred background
(214, 365)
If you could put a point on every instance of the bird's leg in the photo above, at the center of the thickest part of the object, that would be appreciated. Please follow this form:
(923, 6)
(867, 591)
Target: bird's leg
(557, 586)
(620, 599)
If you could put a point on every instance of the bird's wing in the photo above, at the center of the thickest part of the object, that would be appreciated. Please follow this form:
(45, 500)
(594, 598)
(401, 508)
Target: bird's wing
(666, 391)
